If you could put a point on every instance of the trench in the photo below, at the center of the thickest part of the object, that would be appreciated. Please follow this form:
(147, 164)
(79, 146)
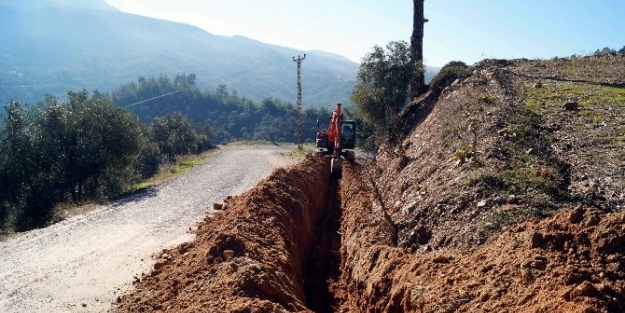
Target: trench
(349, 227)
(324, 260)
(339, 228)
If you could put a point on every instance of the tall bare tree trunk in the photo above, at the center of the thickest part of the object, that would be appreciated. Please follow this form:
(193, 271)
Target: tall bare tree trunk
(417, 85)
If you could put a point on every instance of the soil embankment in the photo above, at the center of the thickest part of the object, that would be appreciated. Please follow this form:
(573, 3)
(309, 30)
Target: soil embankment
(251, 257)
(572, 262)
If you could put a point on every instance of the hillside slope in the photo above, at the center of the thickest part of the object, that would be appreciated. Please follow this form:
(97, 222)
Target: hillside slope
(55, 45)
(503, 146)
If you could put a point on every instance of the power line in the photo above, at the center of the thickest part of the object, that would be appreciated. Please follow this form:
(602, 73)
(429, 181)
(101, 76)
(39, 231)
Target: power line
(150, 99)
(233, 74)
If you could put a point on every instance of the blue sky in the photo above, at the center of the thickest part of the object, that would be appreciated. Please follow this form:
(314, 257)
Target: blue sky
(465, 30)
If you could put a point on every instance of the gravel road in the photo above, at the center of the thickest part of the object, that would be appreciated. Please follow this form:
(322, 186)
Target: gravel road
(84, 263)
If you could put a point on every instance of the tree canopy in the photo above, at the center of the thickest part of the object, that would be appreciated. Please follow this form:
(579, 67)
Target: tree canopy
(230, 116)
(382, 84)
(76, 149)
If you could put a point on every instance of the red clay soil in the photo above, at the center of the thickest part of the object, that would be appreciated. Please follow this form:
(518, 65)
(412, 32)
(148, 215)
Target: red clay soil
(251, 257)
(281, 248)
(572, 262)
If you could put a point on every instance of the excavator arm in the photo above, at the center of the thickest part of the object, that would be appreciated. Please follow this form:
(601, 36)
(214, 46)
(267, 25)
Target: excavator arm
(341, 135)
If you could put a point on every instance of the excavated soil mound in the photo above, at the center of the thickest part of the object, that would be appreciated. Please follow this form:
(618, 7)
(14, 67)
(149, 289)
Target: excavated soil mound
(251, 257)
(572, 262)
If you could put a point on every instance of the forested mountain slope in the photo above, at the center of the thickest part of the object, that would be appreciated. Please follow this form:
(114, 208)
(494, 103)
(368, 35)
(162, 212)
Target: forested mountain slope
(52, 46)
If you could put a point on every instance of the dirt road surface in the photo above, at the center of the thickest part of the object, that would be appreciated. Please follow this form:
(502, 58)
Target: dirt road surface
(84, 263)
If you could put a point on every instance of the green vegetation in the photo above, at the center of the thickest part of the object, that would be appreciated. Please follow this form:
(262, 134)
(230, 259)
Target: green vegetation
(550, 96)
(229, 116)
(448, 74)
(250, 143)
(85, 149)
(382, 86)
(299, 154)
(514, 131)
(592, 69)
(184, 166)
(541, 187)
(463, 155)
(520, 181)
(60, 152)
(599, 105)
(486, 99)
(527, 167)
(168, 171)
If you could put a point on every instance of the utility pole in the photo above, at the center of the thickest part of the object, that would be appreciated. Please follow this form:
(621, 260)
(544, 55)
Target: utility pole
(299, 100)
(417, 85)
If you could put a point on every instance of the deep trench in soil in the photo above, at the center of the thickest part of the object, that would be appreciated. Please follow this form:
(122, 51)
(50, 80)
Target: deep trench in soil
(324, 260)
(275, 248)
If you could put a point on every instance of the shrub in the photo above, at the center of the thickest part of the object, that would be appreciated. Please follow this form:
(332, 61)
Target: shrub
(448, 74)
(381, 89)
(148, 161)
(58, 150)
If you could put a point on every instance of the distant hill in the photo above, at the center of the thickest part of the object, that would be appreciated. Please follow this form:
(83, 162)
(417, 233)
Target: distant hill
(51, 46)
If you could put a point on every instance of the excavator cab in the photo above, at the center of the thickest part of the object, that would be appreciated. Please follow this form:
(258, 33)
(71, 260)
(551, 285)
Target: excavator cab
(348, 134)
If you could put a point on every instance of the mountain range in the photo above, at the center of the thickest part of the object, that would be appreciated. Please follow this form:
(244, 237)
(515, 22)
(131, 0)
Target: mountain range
(52, 46)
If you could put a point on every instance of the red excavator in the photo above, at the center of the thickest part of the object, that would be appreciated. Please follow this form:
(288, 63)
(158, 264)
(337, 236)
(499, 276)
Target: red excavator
(341, 135)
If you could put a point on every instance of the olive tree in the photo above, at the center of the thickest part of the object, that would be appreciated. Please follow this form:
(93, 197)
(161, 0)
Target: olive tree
(382, 85)
(174, 134)
(103, 141)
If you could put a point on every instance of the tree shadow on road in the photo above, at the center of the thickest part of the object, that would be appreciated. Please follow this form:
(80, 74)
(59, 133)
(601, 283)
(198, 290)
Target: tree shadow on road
(135, 196)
